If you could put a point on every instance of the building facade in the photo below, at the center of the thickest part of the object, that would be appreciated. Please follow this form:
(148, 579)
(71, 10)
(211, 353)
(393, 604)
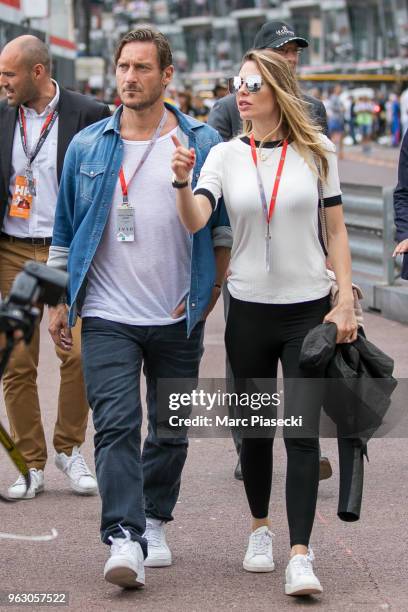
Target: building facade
(57, 30)
(210, 36)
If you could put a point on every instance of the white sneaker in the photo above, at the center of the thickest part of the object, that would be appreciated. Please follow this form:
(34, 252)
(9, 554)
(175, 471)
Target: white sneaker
(125, 565)
(300, 578)
(81, 479)
(158, 553)
(259, 556)
(18, 489)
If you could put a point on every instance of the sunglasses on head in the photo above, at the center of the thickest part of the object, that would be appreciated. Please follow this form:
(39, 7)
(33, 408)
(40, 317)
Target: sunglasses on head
(253, 83)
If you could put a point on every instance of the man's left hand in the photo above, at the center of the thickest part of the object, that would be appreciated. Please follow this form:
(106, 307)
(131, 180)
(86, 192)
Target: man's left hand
(181, 308)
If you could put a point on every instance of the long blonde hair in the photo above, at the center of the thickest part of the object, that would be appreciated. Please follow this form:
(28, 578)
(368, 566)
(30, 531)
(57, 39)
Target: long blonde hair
(295, 120)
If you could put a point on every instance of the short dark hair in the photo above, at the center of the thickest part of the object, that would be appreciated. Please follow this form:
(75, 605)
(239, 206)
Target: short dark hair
(148, 34)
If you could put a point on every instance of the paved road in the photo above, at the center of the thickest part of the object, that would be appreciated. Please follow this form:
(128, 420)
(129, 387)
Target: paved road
(379, 167)
(362, 566)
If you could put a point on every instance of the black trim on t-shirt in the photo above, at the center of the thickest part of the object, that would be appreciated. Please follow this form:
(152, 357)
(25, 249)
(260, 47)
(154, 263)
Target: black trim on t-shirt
(333, 201)
(208, 195)
(269, 144)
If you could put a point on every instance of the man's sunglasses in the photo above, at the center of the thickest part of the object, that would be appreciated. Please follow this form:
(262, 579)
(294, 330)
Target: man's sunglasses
(253, 83)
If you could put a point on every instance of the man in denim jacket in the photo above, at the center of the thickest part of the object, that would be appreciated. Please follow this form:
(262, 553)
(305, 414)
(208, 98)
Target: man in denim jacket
(142, 286)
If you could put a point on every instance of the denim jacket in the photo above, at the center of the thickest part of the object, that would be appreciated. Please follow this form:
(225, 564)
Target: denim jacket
(90, 172)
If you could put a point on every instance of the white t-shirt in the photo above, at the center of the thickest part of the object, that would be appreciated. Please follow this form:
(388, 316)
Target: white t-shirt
(141, 282)
(297, 262)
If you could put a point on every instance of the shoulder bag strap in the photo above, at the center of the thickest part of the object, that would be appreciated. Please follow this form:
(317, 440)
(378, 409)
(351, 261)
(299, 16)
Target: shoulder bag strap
(322, 213)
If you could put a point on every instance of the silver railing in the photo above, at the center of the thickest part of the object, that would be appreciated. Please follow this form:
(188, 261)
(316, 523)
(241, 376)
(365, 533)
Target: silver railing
(369, 216)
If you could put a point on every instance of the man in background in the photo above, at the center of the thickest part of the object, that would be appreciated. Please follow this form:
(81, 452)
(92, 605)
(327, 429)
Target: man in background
(38, 119)
(281, 38)
(401, 208)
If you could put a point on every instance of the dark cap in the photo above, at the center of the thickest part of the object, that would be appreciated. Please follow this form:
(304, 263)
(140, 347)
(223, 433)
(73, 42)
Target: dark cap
(274, 34)
(221, 83)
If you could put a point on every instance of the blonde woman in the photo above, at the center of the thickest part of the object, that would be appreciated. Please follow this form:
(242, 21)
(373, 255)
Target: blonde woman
(278, 283)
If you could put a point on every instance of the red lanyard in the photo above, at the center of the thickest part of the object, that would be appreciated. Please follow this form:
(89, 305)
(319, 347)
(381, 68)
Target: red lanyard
(45, 130)
(268, 213)
(146, 154)
(123, 185)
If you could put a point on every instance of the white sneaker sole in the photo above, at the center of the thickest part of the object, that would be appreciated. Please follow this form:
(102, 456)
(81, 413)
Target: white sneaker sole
(258, 568)
(30, 495)
(158, 562)
(124, 577)
(303, 589)
(85, 492)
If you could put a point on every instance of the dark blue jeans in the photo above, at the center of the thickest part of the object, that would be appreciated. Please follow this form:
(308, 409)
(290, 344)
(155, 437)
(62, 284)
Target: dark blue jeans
(132, 485)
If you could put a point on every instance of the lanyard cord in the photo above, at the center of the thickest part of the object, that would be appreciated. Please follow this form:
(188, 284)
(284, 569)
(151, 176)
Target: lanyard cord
(45, 130)
(146, 154)
(268, 213)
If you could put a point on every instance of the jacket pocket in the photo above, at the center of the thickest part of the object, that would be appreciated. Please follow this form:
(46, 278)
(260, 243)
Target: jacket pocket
(91, 175)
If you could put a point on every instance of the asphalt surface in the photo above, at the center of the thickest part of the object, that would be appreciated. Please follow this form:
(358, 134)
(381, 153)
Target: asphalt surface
(362, 566)
(379, 167)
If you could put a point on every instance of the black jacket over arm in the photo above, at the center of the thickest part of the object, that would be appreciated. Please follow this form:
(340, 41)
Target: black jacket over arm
(359, 386)
(401, 202)
(224, 115)
(76, 112)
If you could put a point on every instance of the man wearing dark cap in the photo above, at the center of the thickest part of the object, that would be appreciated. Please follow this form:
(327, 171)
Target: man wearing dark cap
(220, 89)
(224, 117)
(280, 37)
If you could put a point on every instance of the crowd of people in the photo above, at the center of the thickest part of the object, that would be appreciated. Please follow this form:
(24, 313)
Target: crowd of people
(363, 116)
(355, 116)
(153, 213)
(360, 115)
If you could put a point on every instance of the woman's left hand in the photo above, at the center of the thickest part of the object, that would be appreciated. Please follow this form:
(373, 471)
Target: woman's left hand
(345, 319)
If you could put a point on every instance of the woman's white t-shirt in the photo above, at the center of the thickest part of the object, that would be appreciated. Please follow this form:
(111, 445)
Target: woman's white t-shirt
(297, 262)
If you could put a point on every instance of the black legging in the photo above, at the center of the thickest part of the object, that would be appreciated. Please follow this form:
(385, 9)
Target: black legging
(256, 337)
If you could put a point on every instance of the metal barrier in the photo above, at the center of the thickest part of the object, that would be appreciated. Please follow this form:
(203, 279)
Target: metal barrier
(369, 216)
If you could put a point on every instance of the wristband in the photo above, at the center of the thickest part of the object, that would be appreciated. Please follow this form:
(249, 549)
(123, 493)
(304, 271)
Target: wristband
(179, 184)
(63, 299)
(217, 285)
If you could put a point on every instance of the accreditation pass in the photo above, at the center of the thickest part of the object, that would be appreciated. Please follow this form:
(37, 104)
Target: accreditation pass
(125, 230)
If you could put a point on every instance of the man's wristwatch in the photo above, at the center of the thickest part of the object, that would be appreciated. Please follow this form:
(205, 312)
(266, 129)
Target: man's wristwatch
(178, 184)
(63, 299)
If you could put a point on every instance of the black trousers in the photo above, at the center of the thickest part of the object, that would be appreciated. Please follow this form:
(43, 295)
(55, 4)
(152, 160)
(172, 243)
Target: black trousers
(257, 336)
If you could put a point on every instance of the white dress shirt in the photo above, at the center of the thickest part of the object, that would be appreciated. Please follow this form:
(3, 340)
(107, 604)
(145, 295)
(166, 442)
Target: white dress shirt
(41, 220)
